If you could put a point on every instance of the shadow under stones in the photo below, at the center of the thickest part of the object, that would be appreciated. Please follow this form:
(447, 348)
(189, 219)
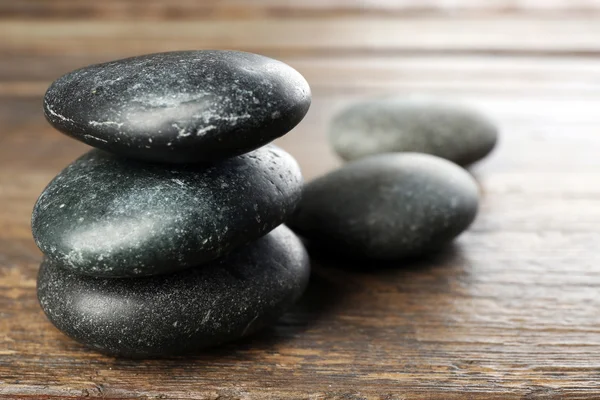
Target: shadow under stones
(319, 301)
(446, 255)
(334, 279)
(323, 294)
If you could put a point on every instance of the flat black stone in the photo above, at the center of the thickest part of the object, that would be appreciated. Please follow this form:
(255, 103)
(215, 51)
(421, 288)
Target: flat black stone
(109, 216)
(180, 313)
(388, 207)
(177, 107)
(456, 133)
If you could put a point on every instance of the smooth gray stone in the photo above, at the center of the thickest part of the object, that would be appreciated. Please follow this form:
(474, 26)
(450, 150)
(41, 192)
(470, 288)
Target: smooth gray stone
(109, 216)
(388, 206)
(179, 107)
(389, 125)
(178, 314)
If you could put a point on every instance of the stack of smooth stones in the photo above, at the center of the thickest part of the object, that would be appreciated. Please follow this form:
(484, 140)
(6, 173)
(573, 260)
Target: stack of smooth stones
(168, 237)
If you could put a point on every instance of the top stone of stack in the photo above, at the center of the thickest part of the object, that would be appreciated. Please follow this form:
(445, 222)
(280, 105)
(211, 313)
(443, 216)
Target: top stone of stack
(179, 107)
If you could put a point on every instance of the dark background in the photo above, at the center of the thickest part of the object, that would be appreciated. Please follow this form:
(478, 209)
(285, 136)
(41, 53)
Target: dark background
(511, 311)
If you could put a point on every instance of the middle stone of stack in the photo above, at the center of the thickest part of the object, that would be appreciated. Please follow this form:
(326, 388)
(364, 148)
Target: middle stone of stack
(175, 183)
(109, 216)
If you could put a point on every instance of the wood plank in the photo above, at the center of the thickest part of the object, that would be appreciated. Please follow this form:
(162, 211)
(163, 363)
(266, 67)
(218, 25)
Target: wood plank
(466, 324)
(244, 9)
(283, 37)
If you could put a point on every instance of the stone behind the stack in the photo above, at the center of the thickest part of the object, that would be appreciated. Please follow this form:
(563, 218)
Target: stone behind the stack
(169, 252)
(399, 124)
(179, 107)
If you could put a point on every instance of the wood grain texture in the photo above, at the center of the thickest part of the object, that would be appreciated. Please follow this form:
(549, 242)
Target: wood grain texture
(243, 9)
(510, 311)
(293, 36)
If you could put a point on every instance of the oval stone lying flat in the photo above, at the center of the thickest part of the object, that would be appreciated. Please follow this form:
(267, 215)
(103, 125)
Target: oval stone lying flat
(186, 106)
(109, 216)
(182, 312)
(389, 125)
(388, 206)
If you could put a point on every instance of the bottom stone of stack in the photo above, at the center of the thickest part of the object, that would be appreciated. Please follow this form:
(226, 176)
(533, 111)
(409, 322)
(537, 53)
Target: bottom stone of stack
(181, 313)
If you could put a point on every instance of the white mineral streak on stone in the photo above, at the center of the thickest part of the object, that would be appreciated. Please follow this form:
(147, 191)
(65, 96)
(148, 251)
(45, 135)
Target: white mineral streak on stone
(57, 115)
(249, 324)
(179, 182)
(206, 317)
(101, 81)
(95, 138)
(106, 123)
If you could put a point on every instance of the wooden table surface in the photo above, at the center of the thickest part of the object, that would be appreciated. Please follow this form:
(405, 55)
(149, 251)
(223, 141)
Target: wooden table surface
(511, 311)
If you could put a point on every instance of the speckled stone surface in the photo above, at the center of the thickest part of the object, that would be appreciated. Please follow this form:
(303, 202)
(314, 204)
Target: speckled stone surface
(388, 125)
(177, 107)
(109, 216)
(388, 206)
(183, 312)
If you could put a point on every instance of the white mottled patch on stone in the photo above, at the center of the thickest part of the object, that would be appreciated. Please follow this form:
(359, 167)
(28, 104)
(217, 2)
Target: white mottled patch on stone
(235, 118)
(202, 131)
(128, 233)
(181, 132)
(74, 258)
(172, 101)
